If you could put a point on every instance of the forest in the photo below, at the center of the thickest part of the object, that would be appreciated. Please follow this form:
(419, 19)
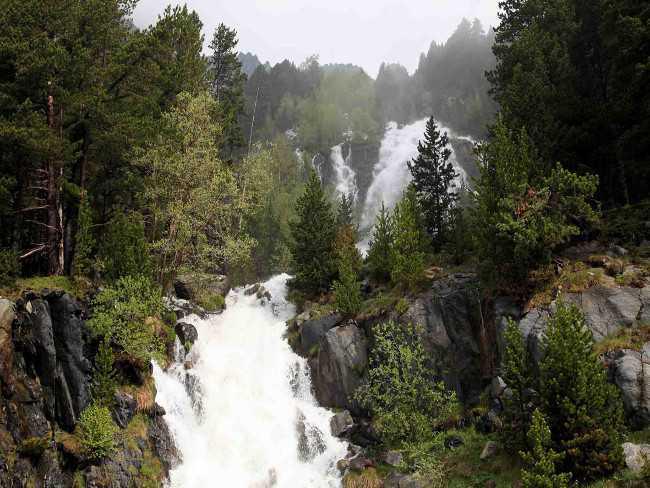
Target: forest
(133, 158)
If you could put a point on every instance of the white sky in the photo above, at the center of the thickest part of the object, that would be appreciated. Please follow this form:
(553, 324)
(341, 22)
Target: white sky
(362, 32)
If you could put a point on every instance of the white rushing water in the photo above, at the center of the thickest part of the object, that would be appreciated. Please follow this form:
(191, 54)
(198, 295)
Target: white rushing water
(346, 178)
(391, 174)
(244, 416)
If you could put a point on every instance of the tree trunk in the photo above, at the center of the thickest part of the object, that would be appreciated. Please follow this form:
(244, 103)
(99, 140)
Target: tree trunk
(54, 222)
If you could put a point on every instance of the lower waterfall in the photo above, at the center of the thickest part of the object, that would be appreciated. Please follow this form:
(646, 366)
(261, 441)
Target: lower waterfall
(240, 406)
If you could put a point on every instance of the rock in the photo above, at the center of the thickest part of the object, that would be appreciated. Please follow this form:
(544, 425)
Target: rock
(186, 333)
(263, 293)
(188, 286)
(636, 456)
(343, 465)
(532, 327)
(157, 411)
(618, 250)
(163, 444)
(310, 439)
(341, 423)
(453, 441)
(497, 387)
(365, 434)
(312, 331)
(489, 450)
(450, 315)
(361, 462)
(7, 316)
(630, 371)
(341, 361)
(392, 458)
(489, 422)
(400, 480)
(124, 409)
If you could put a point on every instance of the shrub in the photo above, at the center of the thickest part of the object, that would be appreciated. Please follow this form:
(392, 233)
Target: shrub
(96, 432)
(401, 391)
(124, 250)
(119, 314)
(9, 267)
(347, 289)
(541, 459)
(104, 380)
(584, 411)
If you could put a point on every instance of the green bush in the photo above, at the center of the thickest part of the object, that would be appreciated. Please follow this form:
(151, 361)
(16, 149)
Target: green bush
(583, 409)
(96, 431)
(381, 243)
(119, 314)
(9, 267)
(104, 381)
(542, 459)
(347, 289)
(401, 392)
(124, 250)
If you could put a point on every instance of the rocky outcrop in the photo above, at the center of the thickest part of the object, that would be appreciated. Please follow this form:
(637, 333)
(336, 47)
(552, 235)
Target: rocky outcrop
(450, 315)
(186, 333)
(190, 286)
(630, 371)
(312, 331)
(339, 366)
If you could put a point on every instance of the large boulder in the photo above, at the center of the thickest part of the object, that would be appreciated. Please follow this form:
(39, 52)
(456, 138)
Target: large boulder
(339, 366)
(186, 333)
(7, 316)
(189, 286)
(630, 371)
(312, 331)
(451, 319)
(636, 456)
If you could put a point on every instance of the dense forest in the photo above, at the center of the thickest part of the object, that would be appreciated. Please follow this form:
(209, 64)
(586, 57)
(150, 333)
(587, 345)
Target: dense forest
(131, 158)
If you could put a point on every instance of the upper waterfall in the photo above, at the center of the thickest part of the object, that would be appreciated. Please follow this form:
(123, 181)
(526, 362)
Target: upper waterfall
(243, 415)
(345, 182)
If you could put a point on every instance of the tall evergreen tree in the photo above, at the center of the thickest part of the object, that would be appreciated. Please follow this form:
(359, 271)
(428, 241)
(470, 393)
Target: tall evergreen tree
(313, 235)
(380, 246)
(433, 180)
(227, 83)
(345, 209)
(85, 241)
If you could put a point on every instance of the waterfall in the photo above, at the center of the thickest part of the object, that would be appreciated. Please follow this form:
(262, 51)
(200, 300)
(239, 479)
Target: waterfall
(243, 415)
(345, 176)
(391, 174)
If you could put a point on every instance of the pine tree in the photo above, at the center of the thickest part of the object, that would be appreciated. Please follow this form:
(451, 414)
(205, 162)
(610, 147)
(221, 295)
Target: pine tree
(227, 82)
(345, 210)
(104, 381)
(410, 242)
(583, 409)
(313, 237)
(381, 243)
(85, 241)
(541, 459)
(347, 288)
(516, 374)
(433, 180)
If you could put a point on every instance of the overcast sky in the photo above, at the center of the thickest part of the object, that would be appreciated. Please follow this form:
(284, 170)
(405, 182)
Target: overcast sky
(363, 32)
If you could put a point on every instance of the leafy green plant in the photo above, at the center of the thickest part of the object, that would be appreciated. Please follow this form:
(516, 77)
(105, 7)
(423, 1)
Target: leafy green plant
(119, 314)
(97, 432)
(542, 459)
(401, 391)
(104, 381)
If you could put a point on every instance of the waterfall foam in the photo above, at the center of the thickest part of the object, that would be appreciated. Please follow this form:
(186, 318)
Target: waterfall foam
(391, 174)
(346, 183)
(244, 416)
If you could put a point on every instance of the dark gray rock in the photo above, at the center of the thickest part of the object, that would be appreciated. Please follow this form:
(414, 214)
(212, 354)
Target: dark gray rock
(630, 371)
(163, 444)
(310, 439)
(341, 423)
(453, 441)
(636, 456)
(187, 286)
(339, 366)
(312, 331)
(124, 409)
(186, 333)
(392, 458)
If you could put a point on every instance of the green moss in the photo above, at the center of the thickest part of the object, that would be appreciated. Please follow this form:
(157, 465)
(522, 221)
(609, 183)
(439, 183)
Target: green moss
(625, 338)
(38, 283)
(34, 446)
(212, 302)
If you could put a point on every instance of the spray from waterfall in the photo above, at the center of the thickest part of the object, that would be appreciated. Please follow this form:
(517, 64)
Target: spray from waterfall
(243, 415)
(346, 178)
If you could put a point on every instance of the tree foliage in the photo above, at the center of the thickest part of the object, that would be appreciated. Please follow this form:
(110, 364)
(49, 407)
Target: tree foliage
(381, 245)
(97, 432)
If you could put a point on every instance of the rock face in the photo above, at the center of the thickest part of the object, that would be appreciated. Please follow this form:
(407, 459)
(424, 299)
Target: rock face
(630, 371)
(186, 333)
(450, 315)
(187, 286)
(339, 366)
(312, 331)
(341, 423)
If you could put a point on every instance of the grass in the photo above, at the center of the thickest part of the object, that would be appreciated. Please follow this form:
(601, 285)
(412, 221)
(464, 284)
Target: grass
(38, 283)
(211, 302)
(368, 478)
(625, 338)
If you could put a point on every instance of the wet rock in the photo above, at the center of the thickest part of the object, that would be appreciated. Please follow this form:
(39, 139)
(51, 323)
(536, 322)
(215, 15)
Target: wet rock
(186, 333)
(392, 458)
(310, 439)
(341, 361)
(163, 444)
(636, 456)
(361, 462)
(453, 441)
(312, 331)
(343, 465)
(489, 450)
(188, 286)
(124, 409)
(341, 423)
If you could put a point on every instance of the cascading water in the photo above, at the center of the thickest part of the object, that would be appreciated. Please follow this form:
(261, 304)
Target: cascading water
(391, 174)
(243, 416)
(345, 176)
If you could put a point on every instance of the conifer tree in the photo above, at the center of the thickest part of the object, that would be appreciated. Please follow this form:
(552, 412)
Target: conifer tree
(104, 380)
(409, 244)
(85, 241)
(542, 458)
(583, 409)
(345, 209)
(433, 180)
(381, 243)
(313, 238)
(516, 374)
